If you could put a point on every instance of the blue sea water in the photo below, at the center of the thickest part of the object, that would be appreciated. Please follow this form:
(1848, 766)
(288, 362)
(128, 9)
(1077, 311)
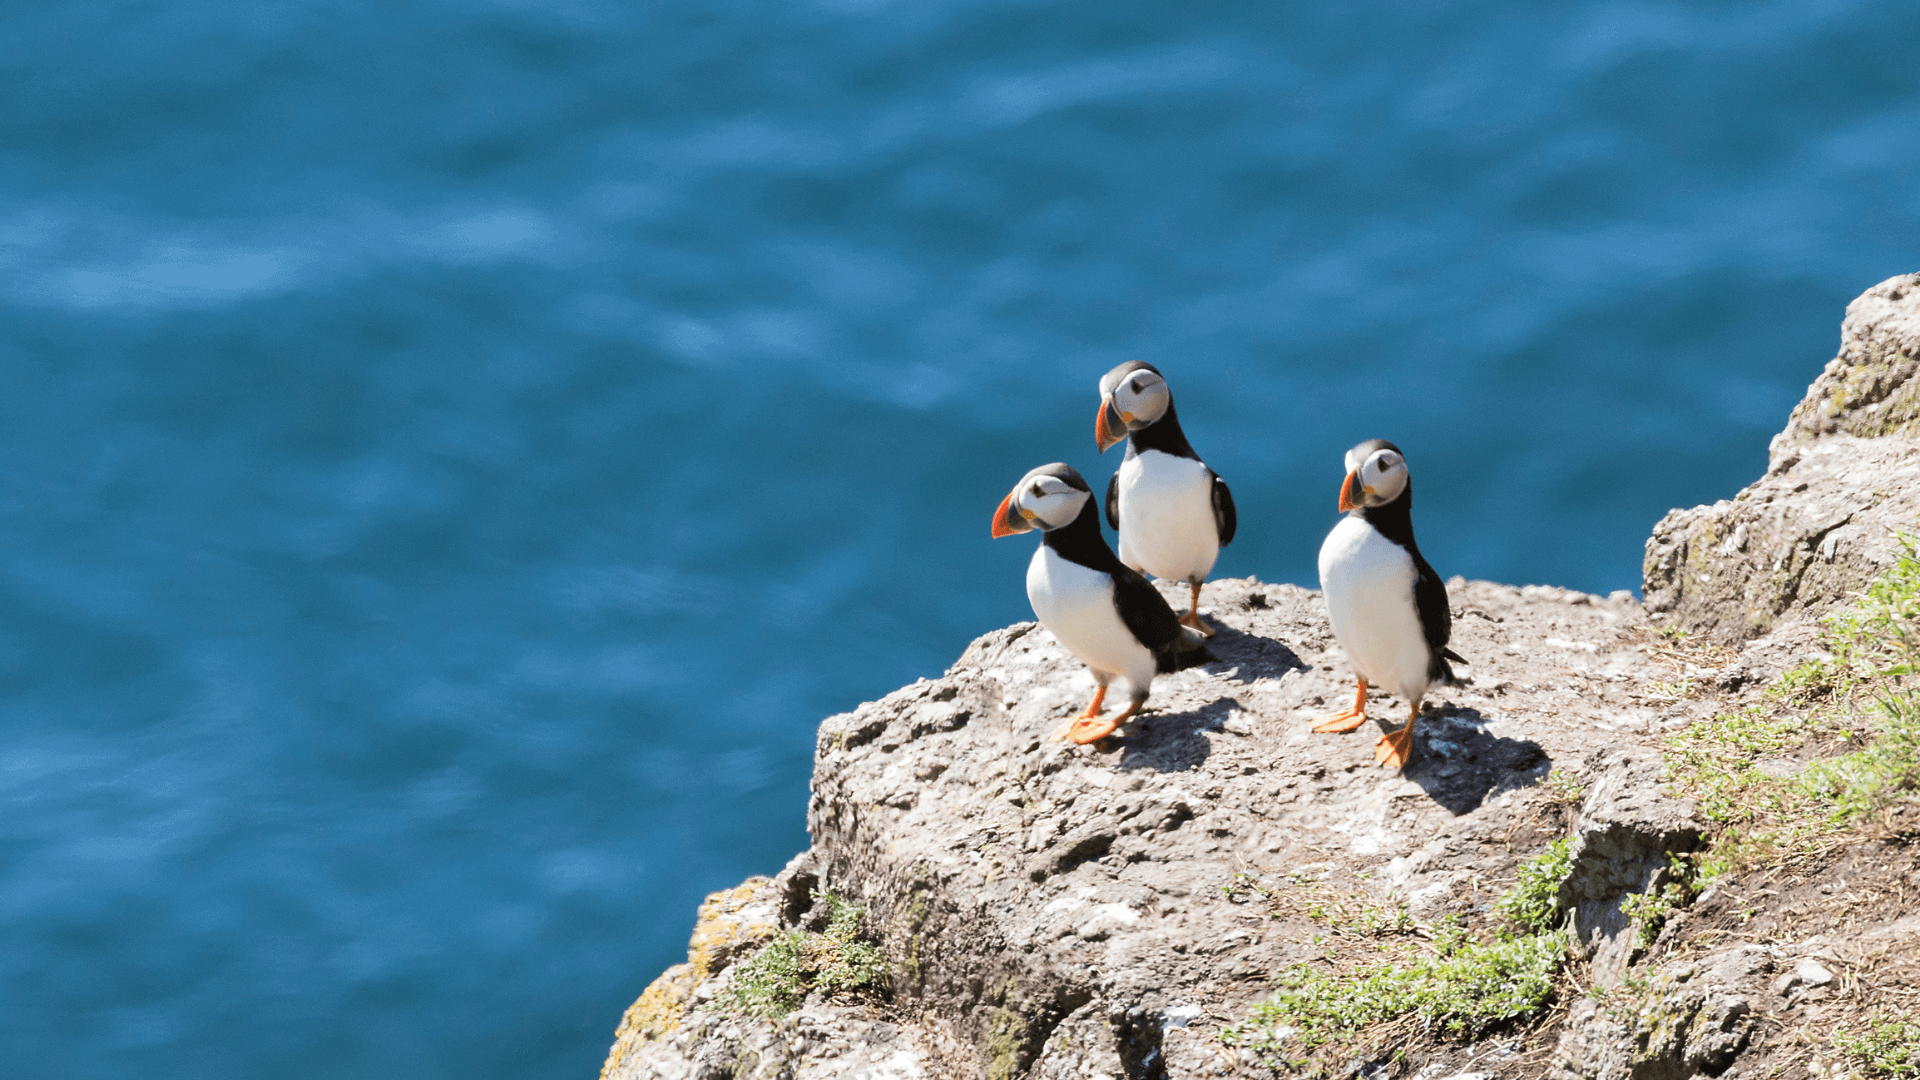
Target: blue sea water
(452, 454)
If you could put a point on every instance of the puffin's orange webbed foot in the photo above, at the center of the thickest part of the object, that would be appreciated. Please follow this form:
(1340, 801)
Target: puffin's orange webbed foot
(1348, 719)
(1092, 729)
(1342, 721)
(1088, 729)
(1395, 748)
(1091, 715)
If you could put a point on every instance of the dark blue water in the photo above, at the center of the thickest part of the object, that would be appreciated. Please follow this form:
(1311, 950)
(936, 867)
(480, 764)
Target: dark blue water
(452, 454)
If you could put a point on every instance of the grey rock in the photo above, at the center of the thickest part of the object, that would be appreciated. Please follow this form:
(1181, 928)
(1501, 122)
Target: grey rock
(1687, 1019)
(1628, 833)
(1808, 974)
(1842, 478)
(1870, 389)
(1797, 540)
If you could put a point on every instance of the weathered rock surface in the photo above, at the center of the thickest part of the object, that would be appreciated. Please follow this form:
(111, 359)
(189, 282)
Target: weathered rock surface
(1689, 1019)
(1062, 911)
(1841, 480)
(1628, 833)
(1873, 387)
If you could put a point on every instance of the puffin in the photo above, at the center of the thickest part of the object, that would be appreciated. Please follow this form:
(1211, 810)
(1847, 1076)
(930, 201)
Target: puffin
(1099, 609)
(1173, 513)
(1387, 605)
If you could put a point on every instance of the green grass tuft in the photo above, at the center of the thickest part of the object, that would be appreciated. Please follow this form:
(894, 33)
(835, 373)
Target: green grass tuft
(776, 980)
(1530, 905)
(1889, 1047)
(1463, 989)
(1856, 715)
(1565, 787)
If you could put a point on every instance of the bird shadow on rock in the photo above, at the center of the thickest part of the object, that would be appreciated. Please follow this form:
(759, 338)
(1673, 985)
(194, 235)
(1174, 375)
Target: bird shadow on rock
(1171, 742)
(1250, 656)
(1459, 763)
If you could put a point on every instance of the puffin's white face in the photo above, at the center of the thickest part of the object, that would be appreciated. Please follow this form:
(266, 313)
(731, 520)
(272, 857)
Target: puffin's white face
(1049, 502)
(1373, 478)
(1040, 501)
(1141, 398)
(1129, 401)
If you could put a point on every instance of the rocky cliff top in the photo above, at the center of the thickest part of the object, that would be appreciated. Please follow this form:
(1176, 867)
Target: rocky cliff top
(1842, 478)
(1131, 908)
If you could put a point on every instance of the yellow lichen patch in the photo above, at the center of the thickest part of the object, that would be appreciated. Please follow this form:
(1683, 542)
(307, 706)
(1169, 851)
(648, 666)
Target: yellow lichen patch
(731, 922)
(659, 1011)
(718, 942)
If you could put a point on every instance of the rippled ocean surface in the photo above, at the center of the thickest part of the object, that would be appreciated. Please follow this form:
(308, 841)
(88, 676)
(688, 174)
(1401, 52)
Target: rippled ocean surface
(452, 454)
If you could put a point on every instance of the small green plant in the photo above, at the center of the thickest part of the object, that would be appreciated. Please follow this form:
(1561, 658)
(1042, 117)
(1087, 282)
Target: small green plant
(1529, 906)
(1461, 989)
(1810, 682)
(1652, 908)
(1889, 1047)
(778, 978)
(1458, 987)
(1565, 787)
(1854, 785)
(1877, 636)
(1243, 888)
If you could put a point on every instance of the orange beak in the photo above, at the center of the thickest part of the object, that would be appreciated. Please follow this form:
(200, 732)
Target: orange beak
(1348, 490)
(1006, 520)
(1108, 428)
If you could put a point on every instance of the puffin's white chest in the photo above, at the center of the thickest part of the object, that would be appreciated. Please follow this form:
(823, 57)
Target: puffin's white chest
(1368, 580)
(1166, 516)
(1075, 604)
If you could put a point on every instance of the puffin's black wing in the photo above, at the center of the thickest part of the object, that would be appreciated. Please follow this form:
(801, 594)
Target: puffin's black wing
(1436, 619)
(1153, 622)
(1113, 501)
(1223, 516)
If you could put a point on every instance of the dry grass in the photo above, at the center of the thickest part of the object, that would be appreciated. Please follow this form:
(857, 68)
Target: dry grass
(1694, 663)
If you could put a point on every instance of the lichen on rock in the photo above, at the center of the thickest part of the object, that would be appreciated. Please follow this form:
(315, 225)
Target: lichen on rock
(1872, 388)
(731, 923)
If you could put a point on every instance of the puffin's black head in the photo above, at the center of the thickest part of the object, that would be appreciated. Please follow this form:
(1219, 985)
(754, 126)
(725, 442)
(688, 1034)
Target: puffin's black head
(1376, 475)
(1132, 396)
(1047, 498)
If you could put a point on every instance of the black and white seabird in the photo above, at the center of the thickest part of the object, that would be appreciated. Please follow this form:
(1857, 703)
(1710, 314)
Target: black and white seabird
(1173, 513)
(1105, 614)
(1388, 607)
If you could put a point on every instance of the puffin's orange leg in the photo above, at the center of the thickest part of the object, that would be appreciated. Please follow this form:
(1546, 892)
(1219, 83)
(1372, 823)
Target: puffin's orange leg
(1064, 731)
(1350, 719)
(1395, 748)
(1093, 707)
(1094, 729)
(1193, 615)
